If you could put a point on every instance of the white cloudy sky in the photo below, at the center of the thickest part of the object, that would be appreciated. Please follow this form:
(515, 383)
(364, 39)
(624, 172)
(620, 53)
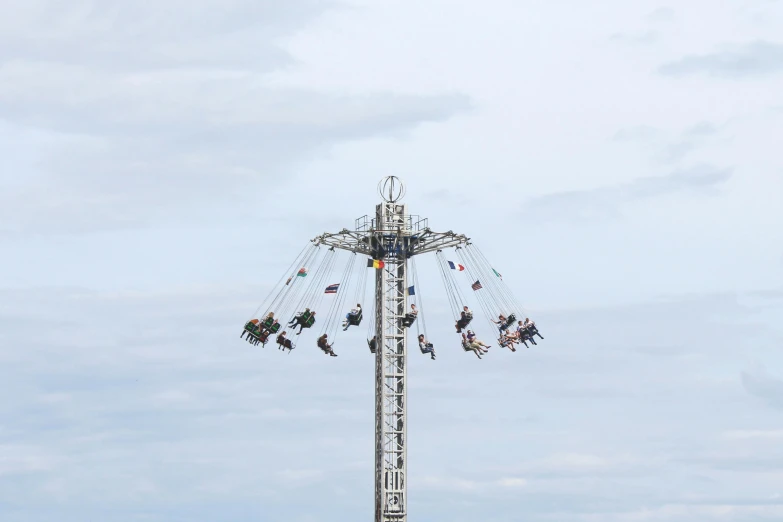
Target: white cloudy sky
(162, 163)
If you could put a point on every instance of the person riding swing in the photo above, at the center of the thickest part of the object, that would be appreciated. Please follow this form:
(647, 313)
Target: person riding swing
(251, 329)
(304, 320)
(465, 317)
(283, 342)
(325, 346)
(407, 321)
(261, 338)
(469, 346)
(426, 347)
(353, 318)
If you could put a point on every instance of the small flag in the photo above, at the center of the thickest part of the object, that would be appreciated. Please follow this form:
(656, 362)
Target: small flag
(332, 289)
(476, 285)
(497, 274)
(302, 272)
(411, 291)
(374, 263)
(455, 266)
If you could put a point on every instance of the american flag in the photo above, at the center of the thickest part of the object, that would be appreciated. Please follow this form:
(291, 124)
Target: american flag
(332, 289)
(476, 285)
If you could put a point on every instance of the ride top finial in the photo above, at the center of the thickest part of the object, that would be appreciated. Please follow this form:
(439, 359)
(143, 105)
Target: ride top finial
(391, 189)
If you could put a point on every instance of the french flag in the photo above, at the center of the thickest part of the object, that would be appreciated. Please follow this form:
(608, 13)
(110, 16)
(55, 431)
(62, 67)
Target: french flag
(456, 266)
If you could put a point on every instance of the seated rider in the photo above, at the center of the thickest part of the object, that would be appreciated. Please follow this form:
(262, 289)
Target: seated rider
(467, 345)
(325, 346)
(283, 342)
(373, 344)
(522, 335)
(295, 320)
(269, 320)
(263, 336)
(502, 321)
(465, 317)
(251, 327)
(426, 347)
(531, 327)
(410, 316)
(473, 340)
(508, 340)
(303, 320)
(351, 316)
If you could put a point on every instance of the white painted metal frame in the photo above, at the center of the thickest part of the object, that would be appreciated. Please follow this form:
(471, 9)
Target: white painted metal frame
(390, 365)
(400, 237)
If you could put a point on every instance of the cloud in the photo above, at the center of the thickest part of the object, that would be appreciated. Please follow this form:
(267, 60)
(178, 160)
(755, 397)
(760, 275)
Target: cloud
(641, 133)
(168, 114)
(172, 407)
(606, 202)
(471, 486)
(512, 482)
(674, 152)
(761, 384)
(643, 38)
(771, 435)
(661, 14)
(116, 35)
(704, 128)
(754, 59)
(669, 150)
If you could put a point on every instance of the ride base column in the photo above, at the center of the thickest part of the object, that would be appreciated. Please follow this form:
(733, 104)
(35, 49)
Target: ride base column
(390, 366)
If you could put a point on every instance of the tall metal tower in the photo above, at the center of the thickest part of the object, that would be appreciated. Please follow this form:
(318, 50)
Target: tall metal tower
(392, 237)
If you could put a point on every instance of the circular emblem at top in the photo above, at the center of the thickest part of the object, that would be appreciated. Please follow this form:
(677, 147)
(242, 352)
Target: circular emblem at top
(391, 189)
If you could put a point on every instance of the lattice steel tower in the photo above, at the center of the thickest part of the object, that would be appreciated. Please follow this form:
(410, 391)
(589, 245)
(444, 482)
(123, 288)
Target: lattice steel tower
(392, 237)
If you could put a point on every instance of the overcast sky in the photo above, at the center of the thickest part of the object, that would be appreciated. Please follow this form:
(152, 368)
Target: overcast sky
(161, 164)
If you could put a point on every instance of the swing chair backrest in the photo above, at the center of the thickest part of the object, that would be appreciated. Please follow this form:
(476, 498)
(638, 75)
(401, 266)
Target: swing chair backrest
(251, 327)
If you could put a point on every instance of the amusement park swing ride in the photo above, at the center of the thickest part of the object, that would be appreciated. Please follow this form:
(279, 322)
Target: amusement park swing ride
(388, 244)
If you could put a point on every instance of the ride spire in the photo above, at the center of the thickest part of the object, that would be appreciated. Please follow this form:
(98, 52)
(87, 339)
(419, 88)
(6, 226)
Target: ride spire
(389, 240)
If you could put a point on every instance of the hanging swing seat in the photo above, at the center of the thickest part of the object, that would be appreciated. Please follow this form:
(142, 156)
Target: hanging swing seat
(268, 322)
(252, 327)
(261, 336)
(509, 322)
(372, 343)
(302, 317)
(274, 328)
(354, 319)
(408, 320)
(464, 320)
(285, 343)
(532, 330)
(423, 348)
(306, 319)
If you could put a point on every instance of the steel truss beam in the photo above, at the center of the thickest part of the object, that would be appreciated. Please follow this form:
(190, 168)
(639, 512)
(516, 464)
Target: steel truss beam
(393, 236)
(419, 243)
